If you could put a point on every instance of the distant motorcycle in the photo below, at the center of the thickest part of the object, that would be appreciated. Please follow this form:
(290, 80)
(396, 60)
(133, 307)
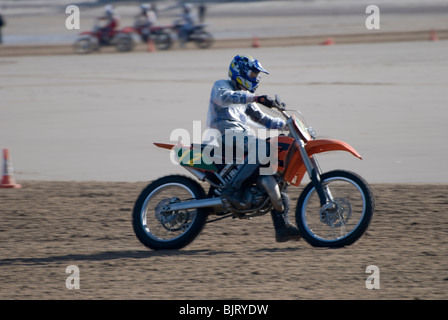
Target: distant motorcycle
(202, 38)
(159, 34)
(93, 40)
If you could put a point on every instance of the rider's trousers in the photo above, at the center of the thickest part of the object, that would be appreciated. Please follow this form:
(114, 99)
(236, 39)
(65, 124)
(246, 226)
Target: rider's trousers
(249, 167)
(247, 150)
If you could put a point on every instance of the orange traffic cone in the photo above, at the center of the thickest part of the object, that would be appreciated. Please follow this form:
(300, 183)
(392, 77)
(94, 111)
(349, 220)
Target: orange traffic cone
(8, 179)
(328, 42)
(256, 43)
(151, 46)
(433, 35)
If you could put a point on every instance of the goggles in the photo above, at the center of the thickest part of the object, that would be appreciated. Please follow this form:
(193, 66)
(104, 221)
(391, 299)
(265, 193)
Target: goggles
(253, 74)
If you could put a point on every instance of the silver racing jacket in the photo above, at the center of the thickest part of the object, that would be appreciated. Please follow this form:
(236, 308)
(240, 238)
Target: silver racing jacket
(231, 109)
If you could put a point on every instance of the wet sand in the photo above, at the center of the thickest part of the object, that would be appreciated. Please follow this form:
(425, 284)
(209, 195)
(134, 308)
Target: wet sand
(95, 117)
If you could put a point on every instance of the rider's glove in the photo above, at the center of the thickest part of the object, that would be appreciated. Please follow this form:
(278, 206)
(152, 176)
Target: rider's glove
(265, 100)
(277, 124)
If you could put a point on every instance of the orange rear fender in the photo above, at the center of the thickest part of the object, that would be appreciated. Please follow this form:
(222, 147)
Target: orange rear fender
(164, 145)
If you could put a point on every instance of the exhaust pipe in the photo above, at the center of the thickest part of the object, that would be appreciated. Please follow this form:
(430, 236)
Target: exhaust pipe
(193, 204)
(268, 183)
(198, 174)
(271, 187)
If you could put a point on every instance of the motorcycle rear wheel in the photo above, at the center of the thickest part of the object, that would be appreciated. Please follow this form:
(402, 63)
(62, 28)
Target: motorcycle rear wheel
(203, 39)
(168, 230)
(124, 43)
(347, 216)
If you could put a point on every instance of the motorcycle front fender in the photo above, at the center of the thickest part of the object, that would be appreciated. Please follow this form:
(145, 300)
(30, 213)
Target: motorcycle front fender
(296, 168)
(324, 145)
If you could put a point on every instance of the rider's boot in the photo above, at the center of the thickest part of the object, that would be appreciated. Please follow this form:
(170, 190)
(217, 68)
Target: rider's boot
(287, 232)
(284, 229)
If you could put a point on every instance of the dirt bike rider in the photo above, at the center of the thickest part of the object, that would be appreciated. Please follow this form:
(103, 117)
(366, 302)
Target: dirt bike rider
(145, 20)
(231, 104)
(110, 24)
(188, 20)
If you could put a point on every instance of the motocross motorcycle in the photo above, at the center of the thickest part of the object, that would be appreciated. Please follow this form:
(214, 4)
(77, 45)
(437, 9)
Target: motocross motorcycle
(93, 40)
(333, 210)
(159, 34)
(202, 38)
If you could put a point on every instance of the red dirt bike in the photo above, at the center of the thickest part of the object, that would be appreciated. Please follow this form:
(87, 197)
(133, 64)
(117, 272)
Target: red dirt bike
(93, 40)
(333, 210)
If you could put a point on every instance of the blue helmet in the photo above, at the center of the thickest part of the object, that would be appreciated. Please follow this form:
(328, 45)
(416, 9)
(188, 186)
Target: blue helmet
(244, 70)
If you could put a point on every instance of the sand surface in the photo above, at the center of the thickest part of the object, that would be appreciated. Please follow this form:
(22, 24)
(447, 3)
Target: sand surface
(47, 226)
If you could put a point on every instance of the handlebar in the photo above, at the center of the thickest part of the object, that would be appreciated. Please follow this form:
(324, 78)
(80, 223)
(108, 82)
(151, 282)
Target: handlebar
(295, 121)
(280, 106)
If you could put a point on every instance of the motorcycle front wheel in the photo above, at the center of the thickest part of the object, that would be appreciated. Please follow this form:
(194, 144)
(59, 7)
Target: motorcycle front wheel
(163, 41)
(157, 229)
(344, 218)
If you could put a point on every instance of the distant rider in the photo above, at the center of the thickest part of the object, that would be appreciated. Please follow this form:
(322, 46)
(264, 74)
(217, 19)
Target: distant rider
(188, 21)
(231, 106)
(110, 22)
(2, 24)
(145, 20)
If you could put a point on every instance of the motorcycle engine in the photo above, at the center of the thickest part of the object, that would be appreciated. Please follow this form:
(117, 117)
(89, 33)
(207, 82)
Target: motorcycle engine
(253, 198)
(257, 196)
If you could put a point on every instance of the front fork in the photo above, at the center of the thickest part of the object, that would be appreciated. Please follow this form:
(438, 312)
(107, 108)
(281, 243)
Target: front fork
(324, 192)
(314, 174)
(313, 170)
